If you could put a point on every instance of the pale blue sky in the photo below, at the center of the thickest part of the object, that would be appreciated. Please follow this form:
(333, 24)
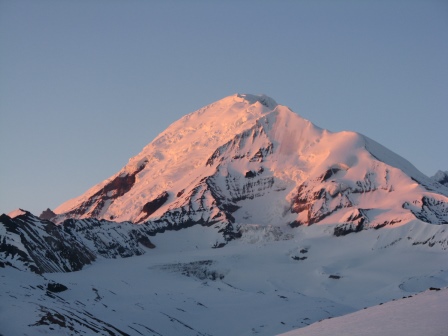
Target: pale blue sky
(85, 85)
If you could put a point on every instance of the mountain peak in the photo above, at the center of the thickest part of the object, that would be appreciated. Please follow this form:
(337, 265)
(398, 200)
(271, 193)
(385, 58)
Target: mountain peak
(441, 177)
(17, 212)
(262, 99)
(245, 159)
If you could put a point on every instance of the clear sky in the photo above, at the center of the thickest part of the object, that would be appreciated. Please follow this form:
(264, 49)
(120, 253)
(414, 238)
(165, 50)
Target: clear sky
(85, 85)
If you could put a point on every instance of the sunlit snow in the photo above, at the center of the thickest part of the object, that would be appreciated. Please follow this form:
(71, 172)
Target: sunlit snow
(258, 154)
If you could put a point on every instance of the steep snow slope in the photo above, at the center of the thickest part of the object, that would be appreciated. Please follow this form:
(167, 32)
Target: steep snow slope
(174, 161)
(245, 159)
(423, 314)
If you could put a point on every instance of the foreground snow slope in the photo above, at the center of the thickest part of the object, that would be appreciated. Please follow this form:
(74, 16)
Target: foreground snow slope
(423, 314)
(270, 281)
(246, 159)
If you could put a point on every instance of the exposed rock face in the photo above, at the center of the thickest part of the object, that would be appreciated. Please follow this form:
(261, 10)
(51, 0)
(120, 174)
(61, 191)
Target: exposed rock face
(56, 287)
(32, 244)
(441, 177)
(40, 246)
(152, 206)
(97, 204)
(47, 214)
(429, 210)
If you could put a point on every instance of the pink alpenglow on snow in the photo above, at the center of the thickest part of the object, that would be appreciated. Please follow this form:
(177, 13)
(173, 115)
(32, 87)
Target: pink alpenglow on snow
(246, 159)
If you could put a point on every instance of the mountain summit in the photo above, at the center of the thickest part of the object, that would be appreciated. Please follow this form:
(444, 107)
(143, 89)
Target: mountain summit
(246, 159)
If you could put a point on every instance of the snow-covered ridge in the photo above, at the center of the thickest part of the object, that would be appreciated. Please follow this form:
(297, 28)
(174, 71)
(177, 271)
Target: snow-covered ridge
(17, 212)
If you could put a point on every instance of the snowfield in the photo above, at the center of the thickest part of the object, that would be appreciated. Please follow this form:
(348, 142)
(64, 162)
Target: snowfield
(423, 314)
(268, 282)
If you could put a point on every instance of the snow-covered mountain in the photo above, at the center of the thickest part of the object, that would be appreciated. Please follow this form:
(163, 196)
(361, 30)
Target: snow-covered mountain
(246, 159)
(241, 218)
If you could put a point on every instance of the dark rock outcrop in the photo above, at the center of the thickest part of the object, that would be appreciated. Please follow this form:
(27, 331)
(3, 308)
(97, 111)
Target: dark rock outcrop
(116, 188)
(441, 177)
(41, 246)
(55, 287)
(47, 214)
(154, 205)
(429, 210)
